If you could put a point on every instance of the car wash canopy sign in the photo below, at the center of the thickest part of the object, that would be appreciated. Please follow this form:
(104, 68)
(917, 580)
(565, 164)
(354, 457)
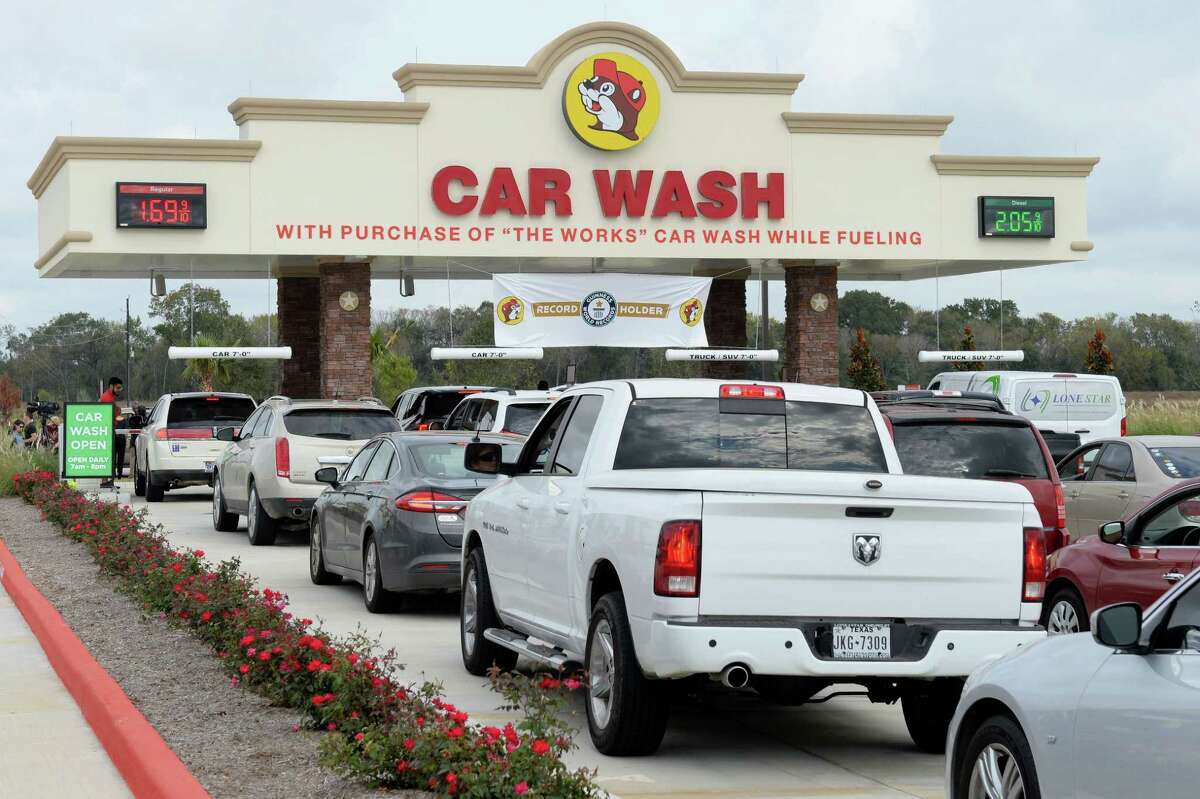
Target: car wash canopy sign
(599, 310)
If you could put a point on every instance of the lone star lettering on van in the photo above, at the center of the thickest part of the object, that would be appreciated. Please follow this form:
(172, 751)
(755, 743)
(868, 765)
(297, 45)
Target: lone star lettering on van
(1042, 399)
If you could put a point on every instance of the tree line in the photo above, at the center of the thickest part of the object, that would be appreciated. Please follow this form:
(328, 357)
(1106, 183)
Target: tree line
(71, 356)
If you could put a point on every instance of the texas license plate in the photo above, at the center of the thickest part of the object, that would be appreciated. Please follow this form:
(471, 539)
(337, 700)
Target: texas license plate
(862, 641)
(209, 466)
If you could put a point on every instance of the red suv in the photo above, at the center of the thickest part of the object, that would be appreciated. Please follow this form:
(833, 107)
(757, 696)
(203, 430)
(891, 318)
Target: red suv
(1135, 559)
(959, 434)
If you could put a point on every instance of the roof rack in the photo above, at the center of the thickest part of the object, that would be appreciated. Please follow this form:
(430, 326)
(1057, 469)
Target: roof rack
(376, 400)
(277, 397)
(941, 399)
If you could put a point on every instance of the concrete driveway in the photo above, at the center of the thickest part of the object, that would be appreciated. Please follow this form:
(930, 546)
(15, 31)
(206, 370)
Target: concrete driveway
(720, 746)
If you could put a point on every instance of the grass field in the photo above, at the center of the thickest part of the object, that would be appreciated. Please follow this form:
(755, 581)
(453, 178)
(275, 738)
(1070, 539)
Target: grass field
(1175, 413)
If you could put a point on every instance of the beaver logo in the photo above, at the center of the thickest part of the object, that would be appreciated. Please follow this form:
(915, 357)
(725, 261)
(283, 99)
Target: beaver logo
(510, 310)
(611, 101)
(691, 312)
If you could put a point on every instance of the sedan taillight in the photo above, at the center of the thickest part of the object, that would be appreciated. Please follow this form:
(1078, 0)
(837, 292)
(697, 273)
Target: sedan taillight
(426, 501)
(677, 561)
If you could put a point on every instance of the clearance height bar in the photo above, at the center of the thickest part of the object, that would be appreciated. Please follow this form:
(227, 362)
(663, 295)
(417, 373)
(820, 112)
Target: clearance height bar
(970, 356)
(722, 355)
(232, 353)
(485, 353)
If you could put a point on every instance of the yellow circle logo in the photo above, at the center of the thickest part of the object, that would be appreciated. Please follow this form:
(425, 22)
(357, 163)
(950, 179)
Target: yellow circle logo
(691, 312)
(611, 101)
(510, 310)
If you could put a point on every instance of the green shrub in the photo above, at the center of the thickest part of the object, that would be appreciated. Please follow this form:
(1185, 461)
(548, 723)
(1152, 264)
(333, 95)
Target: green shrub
(16, 460)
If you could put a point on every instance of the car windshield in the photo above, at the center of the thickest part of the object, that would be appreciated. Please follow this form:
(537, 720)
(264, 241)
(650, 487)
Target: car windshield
(206, 411)
(444, 459)
(970, 449)
(345, 425)
(1178, 462)
(700, 433)
(521, 418)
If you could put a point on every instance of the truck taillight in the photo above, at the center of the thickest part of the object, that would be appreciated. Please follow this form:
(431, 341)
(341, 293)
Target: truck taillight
(426, 501)
(283, 458)
(1034, 582)
(1060, 507)
(751, 391)
(1124, 427)
(160, 434)
(677, 562)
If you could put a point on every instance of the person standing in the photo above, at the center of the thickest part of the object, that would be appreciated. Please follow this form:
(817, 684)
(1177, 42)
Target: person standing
(115, 386)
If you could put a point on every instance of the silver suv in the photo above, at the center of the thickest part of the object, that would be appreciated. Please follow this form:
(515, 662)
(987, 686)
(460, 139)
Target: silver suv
(268, 471)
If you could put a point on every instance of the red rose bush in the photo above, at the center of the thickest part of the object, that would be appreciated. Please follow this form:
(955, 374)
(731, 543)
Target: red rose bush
(381, 731)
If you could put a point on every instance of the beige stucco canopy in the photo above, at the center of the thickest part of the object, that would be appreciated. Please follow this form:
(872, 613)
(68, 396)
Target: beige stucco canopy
(309, 181)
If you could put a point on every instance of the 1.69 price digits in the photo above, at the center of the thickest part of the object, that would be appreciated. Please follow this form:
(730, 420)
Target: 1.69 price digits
(1018, 221)
(165, 211)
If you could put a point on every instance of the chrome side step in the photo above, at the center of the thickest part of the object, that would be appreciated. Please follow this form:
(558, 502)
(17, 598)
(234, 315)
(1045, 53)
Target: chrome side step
(550, 655)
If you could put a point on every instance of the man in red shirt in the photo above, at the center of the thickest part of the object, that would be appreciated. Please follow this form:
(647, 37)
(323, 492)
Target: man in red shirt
(111, 394)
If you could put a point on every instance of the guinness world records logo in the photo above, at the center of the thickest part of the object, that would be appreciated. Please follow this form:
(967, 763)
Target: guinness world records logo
(599, 308)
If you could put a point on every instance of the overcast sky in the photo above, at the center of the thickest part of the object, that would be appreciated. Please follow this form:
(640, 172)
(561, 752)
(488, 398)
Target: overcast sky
(1119, 80)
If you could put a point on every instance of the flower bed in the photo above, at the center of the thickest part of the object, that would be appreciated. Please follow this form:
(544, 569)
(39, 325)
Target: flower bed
(381, 731)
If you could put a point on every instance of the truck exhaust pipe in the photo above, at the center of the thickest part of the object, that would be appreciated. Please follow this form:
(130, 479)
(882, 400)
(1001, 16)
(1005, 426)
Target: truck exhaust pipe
(735, 675)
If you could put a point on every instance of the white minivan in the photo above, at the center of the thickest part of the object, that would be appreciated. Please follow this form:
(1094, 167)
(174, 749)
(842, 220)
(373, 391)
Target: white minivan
(1062, 405)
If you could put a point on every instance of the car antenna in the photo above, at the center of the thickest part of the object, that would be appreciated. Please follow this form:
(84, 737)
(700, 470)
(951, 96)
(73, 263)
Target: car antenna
(475, 440)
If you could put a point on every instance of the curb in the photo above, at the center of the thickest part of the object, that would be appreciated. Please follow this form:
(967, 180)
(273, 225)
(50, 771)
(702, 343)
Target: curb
(149, 767)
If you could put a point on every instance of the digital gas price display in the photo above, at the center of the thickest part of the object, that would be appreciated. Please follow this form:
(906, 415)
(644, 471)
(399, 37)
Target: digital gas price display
(1016, 217)
(162, 205)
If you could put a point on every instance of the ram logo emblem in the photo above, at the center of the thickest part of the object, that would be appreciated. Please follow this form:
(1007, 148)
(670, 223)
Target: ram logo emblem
(866, 548)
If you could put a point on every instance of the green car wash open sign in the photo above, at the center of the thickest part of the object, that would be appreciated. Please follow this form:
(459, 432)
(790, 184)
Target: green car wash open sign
(87, 440)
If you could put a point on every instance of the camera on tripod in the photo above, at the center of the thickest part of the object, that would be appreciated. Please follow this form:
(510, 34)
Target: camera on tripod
(42, 409)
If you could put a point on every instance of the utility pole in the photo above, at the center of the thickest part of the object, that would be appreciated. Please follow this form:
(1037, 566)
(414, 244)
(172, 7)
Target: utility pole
(128, 373)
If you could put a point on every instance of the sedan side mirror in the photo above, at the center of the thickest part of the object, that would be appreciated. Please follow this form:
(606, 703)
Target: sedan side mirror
(1112, 533)
(1118, 626)
(436, 425)
(327, 474)
(486, 457)
(226, 434)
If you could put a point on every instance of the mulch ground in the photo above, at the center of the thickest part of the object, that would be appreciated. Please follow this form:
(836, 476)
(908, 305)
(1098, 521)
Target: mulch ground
(235, 743)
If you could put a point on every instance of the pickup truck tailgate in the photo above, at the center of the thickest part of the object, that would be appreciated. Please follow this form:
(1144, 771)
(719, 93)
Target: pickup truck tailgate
(794, 554)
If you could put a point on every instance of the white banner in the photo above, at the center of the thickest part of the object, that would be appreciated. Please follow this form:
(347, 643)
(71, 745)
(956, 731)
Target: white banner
(599, 310)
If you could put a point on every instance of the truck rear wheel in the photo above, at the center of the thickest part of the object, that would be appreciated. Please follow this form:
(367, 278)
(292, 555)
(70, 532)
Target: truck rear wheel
(627, 713)
(476, 614)
(928, 709)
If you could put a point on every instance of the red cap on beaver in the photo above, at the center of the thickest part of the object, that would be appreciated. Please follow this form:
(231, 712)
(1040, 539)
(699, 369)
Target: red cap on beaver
(607, 69)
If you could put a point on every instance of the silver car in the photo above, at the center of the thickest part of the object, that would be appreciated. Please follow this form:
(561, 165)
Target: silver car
(1113, 713)
(1111, 477)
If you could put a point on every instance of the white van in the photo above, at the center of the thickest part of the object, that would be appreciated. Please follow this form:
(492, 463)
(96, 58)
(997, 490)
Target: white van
(1062, 405)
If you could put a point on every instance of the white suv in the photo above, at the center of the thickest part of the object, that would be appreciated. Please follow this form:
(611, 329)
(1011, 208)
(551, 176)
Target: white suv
(501, 411)
(177, 447)
(268, 471)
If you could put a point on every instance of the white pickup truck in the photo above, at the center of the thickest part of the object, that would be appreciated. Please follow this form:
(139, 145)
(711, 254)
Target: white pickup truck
(762, 535)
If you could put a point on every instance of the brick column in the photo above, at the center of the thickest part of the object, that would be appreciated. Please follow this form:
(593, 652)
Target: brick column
(725, 325)
(300, 329)
(345, 367)
(811, 337)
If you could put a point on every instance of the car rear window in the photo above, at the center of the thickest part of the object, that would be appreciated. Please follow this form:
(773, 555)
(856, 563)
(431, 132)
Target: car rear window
(521, 418)
(206, 411)
(439, 404)
(704, 433)
(444, 459)
(1178, 462)
(345, 425)
(970, 449)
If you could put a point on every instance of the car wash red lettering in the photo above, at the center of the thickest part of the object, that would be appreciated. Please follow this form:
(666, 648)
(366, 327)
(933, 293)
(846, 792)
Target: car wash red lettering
(440, 189)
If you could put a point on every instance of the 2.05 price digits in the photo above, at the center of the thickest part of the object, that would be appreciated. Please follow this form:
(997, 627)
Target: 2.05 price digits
(165, 211)
(1018, 221)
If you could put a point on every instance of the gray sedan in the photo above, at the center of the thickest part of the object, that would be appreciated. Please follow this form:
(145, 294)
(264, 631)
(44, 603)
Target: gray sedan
(1111, 477)
(393, 519)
